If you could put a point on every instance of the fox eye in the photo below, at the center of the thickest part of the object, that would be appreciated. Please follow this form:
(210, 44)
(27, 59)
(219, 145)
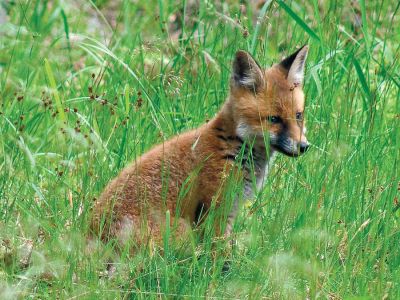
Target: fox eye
(299, 116)
(274, 119)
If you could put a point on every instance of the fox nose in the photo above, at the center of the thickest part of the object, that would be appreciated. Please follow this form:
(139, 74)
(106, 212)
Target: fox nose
(303, 146)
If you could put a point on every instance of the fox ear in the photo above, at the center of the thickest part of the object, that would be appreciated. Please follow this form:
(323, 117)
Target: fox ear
(246, 72)
(294, 64)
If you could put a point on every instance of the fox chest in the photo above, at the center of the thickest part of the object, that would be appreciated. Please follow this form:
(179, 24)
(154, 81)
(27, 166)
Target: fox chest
(253, 160)
(255, 169)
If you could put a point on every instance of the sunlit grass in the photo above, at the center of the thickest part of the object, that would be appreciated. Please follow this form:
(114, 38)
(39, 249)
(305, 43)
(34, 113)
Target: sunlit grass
(87, 88)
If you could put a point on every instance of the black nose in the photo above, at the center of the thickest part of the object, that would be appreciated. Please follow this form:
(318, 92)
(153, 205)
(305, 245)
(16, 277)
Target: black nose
(303, 146)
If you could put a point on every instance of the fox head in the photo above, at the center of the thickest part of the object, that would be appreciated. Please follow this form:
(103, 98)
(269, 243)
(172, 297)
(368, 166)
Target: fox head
(270, 101)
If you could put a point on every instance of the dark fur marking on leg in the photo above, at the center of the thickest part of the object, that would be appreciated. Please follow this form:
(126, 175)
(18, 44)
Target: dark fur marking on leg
(221, 137)
(229, 157)
(239, 139)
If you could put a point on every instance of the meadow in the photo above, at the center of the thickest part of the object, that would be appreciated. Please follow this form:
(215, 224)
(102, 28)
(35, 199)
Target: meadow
(88, 86)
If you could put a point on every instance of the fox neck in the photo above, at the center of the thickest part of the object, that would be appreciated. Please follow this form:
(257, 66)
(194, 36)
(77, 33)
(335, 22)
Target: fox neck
(249, 149)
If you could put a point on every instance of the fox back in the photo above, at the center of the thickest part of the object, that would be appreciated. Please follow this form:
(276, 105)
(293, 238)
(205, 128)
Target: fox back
(187, 175)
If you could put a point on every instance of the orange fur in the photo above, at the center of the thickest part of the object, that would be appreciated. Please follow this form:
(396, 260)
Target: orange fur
(134, 204)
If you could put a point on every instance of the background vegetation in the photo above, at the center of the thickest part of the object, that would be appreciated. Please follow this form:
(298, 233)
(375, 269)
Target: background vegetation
(87, 86)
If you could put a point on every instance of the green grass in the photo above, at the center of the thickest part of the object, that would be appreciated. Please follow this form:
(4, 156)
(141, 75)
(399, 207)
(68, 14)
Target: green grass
(86, 89)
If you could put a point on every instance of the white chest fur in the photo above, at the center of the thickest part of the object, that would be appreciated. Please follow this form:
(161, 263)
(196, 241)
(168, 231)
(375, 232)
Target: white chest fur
(254, 172)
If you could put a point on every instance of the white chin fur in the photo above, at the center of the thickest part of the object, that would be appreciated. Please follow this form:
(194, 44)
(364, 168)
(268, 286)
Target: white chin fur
(243, 130)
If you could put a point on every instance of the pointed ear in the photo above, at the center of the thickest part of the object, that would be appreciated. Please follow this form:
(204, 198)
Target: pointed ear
(293, 66)
(246, 72)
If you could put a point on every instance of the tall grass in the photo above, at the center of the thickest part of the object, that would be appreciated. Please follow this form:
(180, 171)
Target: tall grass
(88, 86)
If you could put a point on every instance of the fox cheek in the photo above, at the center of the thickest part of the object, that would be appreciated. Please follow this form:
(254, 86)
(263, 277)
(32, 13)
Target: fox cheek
(243, 130)
(273, 139)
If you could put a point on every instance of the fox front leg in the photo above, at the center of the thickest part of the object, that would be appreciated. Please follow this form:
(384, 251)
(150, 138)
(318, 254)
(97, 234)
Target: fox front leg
(231, 218)
(248, 193)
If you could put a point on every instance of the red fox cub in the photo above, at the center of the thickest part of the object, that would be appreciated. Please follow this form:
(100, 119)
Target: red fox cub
(263, 114)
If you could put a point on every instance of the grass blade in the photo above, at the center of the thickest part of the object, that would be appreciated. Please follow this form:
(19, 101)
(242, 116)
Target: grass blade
(53, 86)
(259, 23)
(126, 96)
(363, 81)
(298, 20)
(364, 24)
